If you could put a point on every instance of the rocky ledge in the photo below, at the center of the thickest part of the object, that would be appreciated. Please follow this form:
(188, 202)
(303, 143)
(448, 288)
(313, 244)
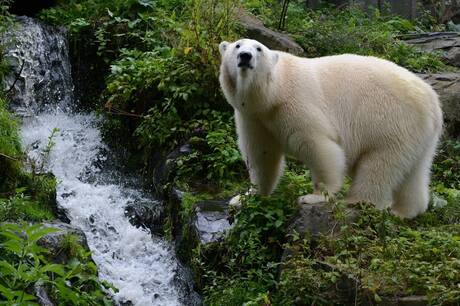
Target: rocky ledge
(445, 43)
(255, 29)
(447, 85)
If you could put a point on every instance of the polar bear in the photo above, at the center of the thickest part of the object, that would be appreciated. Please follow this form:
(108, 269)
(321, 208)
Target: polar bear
(340, 115)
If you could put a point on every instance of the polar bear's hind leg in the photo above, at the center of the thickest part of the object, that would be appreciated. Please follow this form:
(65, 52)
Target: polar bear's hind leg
(412, 197)
(375, 176)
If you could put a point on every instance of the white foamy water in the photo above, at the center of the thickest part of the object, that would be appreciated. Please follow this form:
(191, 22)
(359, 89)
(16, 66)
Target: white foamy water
(141, 267)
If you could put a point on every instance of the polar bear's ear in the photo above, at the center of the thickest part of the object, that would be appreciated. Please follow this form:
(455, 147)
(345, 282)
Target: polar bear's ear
(223, 47)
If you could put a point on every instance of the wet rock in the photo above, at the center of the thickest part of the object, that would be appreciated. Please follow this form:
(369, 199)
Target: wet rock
(165, 166)
(41, 293)
(175, 198)
(447, 43)
(147, 214)
(211, 220)
(39, 78)
(51, 199)
(53, 241)
(60, 212)
(186, 285)
(255, 29)
(447, 85)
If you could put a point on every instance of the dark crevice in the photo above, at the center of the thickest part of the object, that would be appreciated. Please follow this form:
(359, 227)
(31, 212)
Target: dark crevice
(30, 8)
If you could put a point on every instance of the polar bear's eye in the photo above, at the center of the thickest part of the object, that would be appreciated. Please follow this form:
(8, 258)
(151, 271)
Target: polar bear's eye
(259, 49)
(237, 46)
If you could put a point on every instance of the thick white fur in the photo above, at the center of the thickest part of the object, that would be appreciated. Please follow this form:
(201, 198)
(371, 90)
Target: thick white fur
(346, 114)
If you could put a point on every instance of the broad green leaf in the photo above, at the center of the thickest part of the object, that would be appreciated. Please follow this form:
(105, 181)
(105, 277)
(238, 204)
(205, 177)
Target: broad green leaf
(7, 269)
(13, 246)
(8, 293)
(29, 297)
(38, 233)
(55, 268)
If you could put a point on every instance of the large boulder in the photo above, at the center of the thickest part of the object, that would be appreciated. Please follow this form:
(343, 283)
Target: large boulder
(447, 85)
(53, 242)
(320, 219)
(254, 28)
(446, 43)
(211, 220)
(315, 220)
(146, 213)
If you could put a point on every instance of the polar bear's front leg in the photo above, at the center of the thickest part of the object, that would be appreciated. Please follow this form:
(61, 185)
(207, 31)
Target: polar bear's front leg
(261, 152)
(326, 161)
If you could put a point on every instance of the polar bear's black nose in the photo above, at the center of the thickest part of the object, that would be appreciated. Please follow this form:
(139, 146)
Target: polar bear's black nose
(245, 57)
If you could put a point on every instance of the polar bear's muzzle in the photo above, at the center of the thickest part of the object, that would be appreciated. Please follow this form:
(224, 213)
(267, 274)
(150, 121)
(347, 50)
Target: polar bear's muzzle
(244, 60)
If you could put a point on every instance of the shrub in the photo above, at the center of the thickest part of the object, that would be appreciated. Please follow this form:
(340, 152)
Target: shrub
(24, 265)
(332, 31)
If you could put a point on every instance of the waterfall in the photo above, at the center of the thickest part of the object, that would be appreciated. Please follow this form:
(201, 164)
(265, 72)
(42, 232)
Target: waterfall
(143, 267)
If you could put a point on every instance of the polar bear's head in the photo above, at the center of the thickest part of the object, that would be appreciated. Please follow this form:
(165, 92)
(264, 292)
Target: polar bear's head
(244, 63)
(246, 56)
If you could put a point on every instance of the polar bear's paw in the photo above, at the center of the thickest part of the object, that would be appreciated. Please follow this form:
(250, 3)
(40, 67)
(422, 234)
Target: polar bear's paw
(236, 202)
(311, 199)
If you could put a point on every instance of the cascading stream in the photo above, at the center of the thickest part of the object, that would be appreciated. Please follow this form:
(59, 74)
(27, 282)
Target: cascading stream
(142, 267)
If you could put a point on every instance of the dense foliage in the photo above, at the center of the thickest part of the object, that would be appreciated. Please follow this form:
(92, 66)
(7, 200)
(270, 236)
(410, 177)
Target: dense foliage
(332, 31)
(26, 266)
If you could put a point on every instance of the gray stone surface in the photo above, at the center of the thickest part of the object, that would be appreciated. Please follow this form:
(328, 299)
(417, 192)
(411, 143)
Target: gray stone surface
(211, 220)
(447, 85)
(42, 295)
(317, 219)
(446, 43)
(255, 29)
(53, 241)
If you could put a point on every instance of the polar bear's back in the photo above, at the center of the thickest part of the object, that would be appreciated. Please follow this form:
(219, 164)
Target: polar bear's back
(374, 85)
(369, 101)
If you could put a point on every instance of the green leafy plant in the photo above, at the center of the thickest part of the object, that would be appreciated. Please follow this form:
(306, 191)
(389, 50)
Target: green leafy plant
(243, 267)
(74, 283)
(10, 149)
(446, 168)
(39, 165)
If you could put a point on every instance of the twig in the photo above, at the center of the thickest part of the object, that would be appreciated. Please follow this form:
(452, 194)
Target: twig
(282, 21)
(17, 78)
(8, 157)
(121, 113)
